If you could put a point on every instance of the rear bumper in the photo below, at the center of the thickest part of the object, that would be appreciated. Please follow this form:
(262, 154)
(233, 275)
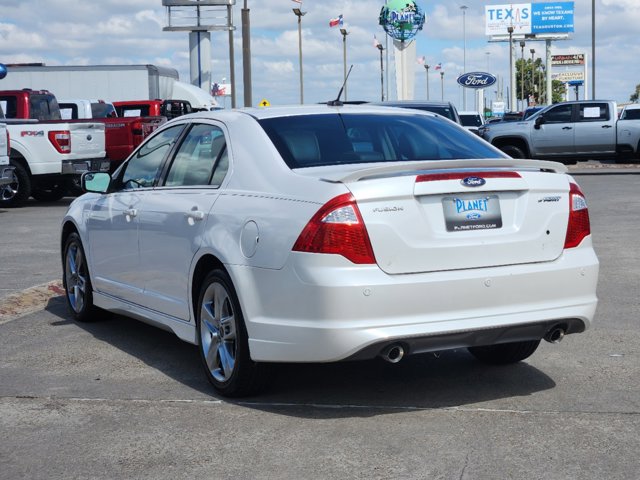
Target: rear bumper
(6, 175)
(325, 309)
(77, 167)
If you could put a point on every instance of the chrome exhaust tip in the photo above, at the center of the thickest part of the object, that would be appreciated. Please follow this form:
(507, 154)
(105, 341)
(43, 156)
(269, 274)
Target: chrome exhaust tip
(392, 353)
(555, 334)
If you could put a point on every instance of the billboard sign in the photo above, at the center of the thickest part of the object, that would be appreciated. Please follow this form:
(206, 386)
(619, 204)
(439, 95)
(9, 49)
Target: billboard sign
(571, 59)
(476, 80)
(529, 18)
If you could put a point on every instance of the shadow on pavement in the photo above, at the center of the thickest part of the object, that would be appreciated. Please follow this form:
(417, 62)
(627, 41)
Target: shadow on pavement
(348, 389)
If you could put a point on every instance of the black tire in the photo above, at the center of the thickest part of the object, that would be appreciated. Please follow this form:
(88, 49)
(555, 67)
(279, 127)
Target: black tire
(223, 340)
(52, 193)
(16, 193)
(513, 151)
(76, 281)
(569, 161)
(505, 353)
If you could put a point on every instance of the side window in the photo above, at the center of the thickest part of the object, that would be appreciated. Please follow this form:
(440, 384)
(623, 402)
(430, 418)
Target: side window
(203, 149)
(559, 114)
(142, 169)
(594, 112)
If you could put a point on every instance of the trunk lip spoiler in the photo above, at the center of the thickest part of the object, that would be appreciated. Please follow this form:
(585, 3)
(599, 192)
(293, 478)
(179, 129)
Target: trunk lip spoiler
(417, 168)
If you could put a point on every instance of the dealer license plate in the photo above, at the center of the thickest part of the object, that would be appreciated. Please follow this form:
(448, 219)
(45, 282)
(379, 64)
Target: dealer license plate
(472, 212)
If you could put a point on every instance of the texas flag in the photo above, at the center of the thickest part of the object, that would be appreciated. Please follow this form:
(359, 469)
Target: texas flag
(334, 22)
(439, 66)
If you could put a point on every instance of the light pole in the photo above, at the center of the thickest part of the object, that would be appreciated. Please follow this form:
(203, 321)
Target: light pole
(442, 85)
(381, 48)
(487, 54)
(533, 74)
(464, 52)
(246, 55)
(344, 33)
(542, 69)
(593, 49)
(299, 13)
(522, 71)
(511, 74)
(426, 67)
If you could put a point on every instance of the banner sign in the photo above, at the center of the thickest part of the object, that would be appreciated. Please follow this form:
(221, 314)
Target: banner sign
(571, 59)
(529, 18)
(476, 80)
(568, 76)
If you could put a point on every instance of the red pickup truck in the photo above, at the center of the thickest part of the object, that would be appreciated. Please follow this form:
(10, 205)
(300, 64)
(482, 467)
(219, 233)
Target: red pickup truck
(166, 108)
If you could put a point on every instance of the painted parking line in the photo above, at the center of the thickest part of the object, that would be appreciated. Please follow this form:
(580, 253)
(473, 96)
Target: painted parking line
(29, 301)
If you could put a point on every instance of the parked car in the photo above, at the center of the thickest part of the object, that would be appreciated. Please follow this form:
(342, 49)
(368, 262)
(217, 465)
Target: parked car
(326, 233)
(153, 108)
(445, 109)
(471, 120)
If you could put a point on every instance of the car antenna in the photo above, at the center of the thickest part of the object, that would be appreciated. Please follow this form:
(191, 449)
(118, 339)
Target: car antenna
(337, 102)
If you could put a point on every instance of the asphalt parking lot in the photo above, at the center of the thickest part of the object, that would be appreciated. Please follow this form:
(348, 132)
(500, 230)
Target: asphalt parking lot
(120, 399)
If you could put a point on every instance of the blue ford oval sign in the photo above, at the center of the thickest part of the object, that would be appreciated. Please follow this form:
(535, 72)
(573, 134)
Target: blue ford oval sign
(473, 181)
(476, 80)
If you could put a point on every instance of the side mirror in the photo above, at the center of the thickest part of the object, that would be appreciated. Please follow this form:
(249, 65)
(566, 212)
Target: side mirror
(97, 182)
(539, 121)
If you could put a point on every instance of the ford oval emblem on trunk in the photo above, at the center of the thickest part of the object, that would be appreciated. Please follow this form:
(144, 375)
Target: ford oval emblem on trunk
(473, 181)
(89, 137)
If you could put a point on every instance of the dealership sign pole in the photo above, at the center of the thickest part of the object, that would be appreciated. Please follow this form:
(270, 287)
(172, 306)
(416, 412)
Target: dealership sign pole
(402, 20)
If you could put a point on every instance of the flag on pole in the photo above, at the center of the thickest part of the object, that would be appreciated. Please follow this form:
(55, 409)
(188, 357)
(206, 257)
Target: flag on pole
(421, 60)
(439, 66)
(297, 1)
(375, 42)
(334, 22)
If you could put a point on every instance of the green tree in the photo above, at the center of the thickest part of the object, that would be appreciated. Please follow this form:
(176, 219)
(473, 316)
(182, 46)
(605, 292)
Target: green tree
(635, 95)
(535, 84)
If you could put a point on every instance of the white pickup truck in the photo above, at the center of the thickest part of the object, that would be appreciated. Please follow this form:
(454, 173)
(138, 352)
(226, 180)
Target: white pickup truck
(568, 132)
(48, 154)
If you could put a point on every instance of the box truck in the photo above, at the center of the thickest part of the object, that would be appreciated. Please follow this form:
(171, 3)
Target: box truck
(108, 82)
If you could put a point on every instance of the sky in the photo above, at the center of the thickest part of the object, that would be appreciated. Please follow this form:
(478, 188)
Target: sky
(70, 32)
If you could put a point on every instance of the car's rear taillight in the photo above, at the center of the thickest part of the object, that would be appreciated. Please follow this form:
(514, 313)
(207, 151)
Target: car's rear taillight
(337, 228)
(61, 140)
(579, 226)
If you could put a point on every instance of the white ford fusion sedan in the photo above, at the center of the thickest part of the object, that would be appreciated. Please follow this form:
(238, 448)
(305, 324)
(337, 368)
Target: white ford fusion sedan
(329, 233)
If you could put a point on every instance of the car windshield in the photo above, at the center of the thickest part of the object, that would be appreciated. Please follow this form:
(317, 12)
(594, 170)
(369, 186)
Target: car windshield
(470, 120)
(322, 140)
(631, 114)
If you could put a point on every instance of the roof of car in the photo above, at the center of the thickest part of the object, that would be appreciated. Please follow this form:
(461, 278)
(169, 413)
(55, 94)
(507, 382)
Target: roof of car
(286, 111)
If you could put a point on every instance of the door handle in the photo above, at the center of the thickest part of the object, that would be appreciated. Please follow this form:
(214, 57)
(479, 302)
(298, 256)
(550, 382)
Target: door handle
(196, 215)
(567, 128)
(131, 212)
(607, 126)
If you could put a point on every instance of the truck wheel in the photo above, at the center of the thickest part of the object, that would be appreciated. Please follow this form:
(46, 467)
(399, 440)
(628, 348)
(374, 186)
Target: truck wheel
(51, 194)
(73, 186)
(513, 151)
(16, 193)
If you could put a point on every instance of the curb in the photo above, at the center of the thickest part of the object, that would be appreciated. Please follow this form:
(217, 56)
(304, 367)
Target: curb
(29, 301)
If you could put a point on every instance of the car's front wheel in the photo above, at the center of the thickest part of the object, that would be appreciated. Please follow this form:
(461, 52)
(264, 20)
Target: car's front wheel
(505, 353)
(223, 339)
(76, 281)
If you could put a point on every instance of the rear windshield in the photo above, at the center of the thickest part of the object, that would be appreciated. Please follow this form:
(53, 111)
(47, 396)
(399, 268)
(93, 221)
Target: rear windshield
(102, 110)
(470, 120)
(338, 139)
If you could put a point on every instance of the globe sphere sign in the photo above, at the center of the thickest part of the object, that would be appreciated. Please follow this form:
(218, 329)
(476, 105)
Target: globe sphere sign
(401, 19)
(3, 71)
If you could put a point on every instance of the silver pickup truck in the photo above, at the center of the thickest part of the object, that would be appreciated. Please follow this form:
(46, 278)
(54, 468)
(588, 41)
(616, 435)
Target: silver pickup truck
(568, 132)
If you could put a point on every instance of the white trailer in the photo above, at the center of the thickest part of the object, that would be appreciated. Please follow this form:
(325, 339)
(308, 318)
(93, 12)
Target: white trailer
(108, 82)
